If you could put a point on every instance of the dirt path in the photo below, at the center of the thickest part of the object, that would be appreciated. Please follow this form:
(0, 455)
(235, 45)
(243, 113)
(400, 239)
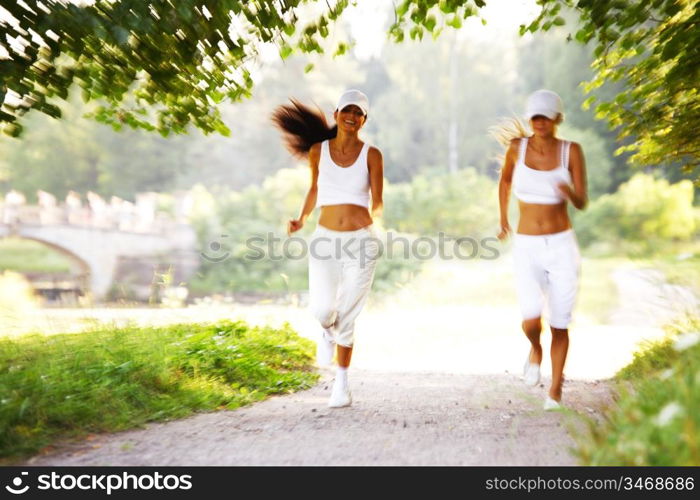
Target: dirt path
(396, 419)
(435, 385)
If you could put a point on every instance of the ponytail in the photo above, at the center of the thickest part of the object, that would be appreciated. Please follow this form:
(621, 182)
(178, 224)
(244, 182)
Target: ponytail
(507, 130)
(302, 127)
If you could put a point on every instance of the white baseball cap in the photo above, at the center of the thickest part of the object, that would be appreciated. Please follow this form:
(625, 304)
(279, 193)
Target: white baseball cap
(546, 103)
(355, 97)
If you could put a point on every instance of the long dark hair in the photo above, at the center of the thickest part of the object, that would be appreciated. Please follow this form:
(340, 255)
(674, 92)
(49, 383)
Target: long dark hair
(302, 127)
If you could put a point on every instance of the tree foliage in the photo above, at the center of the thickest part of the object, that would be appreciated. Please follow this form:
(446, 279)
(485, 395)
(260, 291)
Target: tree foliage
(158, 65)
(165, 65)
(644, 214)
(458, 83)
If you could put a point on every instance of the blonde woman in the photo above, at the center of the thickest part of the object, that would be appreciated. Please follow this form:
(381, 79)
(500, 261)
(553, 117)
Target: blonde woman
(545, 173)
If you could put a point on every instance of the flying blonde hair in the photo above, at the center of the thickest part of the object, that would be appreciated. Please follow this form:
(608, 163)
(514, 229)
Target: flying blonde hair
(508, 129)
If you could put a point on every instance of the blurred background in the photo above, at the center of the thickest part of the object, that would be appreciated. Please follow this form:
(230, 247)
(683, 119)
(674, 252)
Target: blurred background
(134, 227)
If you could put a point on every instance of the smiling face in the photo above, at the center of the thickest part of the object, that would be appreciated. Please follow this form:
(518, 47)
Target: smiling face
(350, 119)
(543, 126)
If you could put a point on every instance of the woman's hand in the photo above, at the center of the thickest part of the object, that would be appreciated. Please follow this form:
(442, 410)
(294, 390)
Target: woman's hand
(505, 231)
(294, 225)
(569, 193)
(565, 190)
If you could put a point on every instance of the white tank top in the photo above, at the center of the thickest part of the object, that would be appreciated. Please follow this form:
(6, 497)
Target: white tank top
(340, 185)
(540, 186)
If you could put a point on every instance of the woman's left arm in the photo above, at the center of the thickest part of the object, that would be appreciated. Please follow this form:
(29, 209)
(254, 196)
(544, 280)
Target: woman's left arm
(375, 165)
(578, 194)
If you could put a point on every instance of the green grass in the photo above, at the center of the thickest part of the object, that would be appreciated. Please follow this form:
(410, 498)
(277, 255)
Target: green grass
(69, 385)
(655, 420)
(17, 254)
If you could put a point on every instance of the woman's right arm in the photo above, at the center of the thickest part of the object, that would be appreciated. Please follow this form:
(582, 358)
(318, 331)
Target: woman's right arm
(504, 185)
(310, 201)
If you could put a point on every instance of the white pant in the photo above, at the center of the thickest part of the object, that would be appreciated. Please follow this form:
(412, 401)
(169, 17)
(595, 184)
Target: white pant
(547, 264)
(341, 270)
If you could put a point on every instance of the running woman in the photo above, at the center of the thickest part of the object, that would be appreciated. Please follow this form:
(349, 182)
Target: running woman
(545, 173)
(346, 173)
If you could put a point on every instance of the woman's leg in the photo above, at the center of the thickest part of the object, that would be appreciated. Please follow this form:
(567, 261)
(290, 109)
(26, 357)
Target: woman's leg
(564, 270)
(530, 281)
(344, 354)
(559, 349)
(324, 283)
(355, 285)
(533, 329)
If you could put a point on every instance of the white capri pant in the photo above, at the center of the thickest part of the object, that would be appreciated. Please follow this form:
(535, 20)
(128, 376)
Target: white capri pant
(547, 265)
(341, 271)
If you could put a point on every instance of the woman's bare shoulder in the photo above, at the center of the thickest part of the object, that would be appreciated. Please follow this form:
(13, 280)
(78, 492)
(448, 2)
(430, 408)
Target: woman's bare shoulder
(374, 152)
(514, 146)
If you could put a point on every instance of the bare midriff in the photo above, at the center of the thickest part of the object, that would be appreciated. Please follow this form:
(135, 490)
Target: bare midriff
(538, 219)
(345, 217)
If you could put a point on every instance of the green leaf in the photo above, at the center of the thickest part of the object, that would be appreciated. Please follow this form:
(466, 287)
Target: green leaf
(286, 51)
(455, 21)
(308, 67)
(446, 7)
(627, 43)
(50, 109)
(416, 32)
(403, 8)
(12, 129)
(587, 103)
(341, 49)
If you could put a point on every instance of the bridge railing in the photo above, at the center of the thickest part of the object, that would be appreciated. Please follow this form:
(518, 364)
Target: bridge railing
(118, 215)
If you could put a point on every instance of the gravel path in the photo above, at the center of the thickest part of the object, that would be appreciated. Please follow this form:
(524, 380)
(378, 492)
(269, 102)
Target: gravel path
(396, 419)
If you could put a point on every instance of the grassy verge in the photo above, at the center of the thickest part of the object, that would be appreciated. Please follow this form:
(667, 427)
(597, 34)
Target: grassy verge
(656, 419)
(70, 385)
(18, 254)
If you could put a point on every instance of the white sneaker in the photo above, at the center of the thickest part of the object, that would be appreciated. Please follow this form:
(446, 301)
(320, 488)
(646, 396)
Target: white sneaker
(340, 396)
(552, 404)
(325, 349)
(532, 374)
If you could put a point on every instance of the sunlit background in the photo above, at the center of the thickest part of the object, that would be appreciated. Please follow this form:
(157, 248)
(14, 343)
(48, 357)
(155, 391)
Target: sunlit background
(132, 227)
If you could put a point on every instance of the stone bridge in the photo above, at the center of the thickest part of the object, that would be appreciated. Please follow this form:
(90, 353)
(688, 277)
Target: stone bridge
(116, 244)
